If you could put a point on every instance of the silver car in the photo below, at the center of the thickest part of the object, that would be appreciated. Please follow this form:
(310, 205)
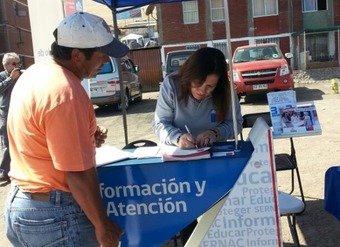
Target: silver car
(105, 87)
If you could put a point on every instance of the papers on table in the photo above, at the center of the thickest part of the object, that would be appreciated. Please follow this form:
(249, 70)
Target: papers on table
(223, 153)
(146, 152)
(172, 153)
(109, 154)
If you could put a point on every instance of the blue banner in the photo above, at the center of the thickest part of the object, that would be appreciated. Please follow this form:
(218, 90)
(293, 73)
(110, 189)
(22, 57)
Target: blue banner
(153, 200)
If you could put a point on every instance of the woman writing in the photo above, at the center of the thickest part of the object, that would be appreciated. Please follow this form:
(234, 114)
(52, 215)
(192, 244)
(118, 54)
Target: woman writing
(199, 97)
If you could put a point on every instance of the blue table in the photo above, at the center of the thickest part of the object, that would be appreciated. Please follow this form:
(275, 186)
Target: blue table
(152, 200)
(332, 191)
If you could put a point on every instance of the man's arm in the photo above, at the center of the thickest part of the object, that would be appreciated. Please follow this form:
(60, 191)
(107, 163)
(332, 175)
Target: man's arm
(84, 187)
(8, 82)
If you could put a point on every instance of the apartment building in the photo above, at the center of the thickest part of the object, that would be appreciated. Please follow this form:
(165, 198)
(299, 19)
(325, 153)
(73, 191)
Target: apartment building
(307, 28)
(15, 33)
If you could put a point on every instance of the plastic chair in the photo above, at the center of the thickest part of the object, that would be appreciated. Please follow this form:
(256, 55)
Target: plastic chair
(290, 206)
(140, 143)
(283, 161)
(331, 191)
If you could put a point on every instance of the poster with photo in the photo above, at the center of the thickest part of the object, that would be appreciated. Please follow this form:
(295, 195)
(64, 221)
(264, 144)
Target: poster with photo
(299, 120)
(279, 101)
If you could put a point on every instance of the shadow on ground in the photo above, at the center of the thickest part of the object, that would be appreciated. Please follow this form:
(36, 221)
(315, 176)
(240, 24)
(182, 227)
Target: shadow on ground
(148, 105)
(315, 222)
(307, 94)
(302, 94)
(144, 106)
(4, 183)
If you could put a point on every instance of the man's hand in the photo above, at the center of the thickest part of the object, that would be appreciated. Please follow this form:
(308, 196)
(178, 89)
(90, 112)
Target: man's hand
(15, 74)
(100, 136)
(84, 186)
(110, 235)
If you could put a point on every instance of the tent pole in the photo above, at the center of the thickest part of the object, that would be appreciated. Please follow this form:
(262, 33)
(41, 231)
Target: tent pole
(121, 85)
(338, 47)
(231, 79)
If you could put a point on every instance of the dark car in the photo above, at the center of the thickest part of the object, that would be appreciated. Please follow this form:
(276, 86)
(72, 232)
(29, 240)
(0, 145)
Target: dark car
(175, 59)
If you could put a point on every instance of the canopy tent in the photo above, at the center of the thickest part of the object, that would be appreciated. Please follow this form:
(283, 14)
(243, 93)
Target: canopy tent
(130, 4)
(133, 40)
(132, 36)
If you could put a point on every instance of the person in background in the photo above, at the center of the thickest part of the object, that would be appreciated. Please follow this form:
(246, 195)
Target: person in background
(8, 78)
(199, 97)
(54, 197)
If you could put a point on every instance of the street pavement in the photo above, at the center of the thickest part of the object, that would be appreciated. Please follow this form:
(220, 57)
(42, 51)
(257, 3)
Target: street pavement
(315, 154)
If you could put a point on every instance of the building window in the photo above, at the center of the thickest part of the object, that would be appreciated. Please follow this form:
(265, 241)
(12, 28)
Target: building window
(317, 46)
(18, 11)
(190, 12)
(265, 8)
(314, 5)
(217, 10)
(19, 36)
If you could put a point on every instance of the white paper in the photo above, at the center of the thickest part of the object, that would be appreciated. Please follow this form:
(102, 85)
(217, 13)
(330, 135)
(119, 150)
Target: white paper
(146, 152)
(109, 154)
(174, 150)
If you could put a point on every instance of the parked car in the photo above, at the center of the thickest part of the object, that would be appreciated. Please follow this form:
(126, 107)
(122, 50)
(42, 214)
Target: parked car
(105, 87)
(261, 68)
(174, 60)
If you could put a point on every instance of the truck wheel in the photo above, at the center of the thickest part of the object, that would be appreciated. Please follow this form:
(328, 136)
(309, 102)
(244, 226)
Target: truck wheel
(239, 96)
(140, 97)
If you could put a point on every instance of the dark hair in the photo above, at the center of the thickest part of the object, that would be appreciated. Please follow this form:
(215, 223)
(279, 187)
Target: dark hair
(62, 52)
(203, 62)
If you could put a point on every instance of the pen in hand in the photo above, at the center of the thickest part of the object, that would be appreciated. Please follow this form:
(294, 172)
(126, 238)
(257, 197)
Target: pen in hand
(188, 130)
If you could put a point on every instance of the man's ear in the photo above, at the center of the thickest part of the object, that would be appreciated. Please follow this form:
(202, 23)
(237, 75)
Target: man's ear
(77, 56)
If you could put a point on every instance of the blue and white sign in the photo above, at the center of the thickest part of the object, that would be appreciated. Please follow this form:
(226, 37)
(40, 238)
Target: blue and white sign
(153, 200)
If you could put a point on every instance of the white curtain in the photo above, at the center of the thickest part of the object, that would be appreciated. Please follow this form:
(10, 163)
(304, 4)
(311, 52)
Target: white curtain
(190, 12)
(265, 7)
(217, 10)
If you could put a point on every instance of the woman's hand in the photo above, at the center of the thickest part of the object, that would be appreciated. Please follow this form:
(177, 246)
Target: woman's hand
(186, 141)
(100, 135)
(206, 138)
